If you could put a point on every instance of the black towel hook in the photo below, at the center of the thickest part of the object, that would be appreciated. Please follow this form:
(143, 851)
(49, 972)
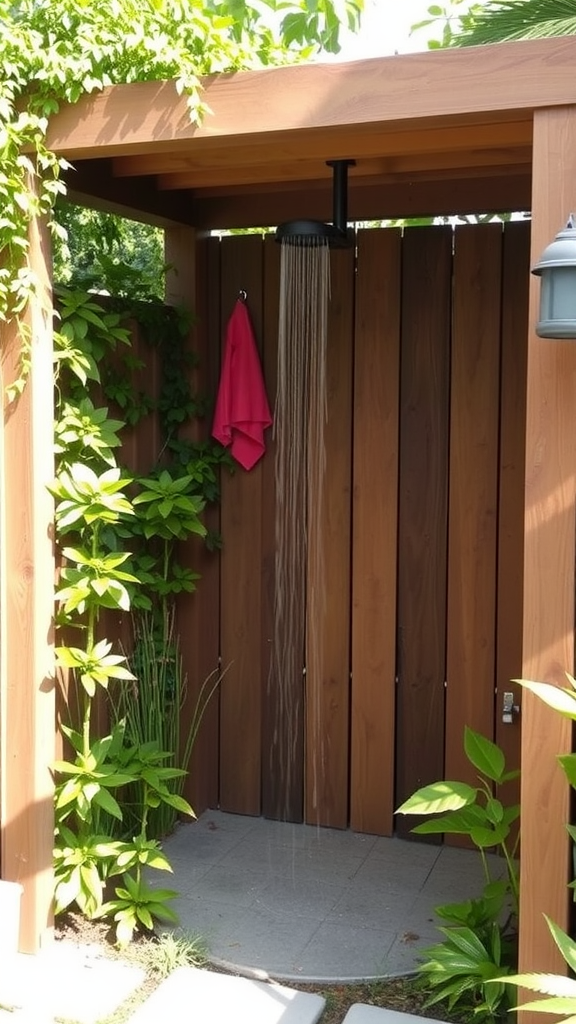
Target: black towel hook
(242, 295)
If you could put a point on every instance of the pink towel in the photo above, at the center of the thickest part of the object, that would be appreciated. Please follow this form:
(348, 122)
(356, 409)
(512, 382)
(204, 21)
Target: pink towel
(242, 412)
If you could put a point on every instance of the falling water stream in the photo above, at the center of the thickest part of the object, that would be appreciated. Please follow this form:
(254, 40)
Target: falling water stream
(299, 422)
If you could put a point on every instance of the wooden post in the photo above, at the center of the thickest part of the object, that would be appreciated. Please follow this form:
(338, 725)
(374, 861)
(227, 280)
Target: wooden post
(27, 719)
(549, 553)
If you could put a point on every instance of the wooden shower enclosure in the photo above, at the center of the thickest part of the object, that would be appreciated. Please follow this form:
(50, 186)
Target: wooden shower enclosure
(422, 531)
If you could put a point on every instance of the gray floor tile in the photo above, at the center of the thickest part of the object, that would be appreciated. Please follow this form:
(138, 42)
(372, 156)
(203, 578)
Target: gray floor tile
(299, 897)
(221, 884)
(300, 901)
(258, 937)
(377, 909)
(354, 952)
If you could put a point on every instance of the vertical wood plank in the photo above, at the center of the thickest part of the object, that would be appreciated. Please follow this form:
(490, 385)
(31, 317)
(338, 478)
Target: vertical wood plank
(423, 511)
(374, 535)
(472, 536)
(515, 283)
(283, 701)
(549, 553)
(194, 282)
(27, 711)
(328, 695)
(241, 573)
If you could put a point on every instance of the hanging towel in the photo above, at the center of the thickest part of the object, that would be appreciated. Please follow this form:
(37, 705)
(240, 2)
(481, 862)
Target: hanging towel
(242, 412)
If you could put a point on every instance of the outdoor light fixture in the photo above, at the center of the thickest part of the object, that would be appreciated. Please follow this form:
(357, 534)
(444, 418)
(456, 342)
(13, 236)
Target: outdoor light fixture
(557, 268)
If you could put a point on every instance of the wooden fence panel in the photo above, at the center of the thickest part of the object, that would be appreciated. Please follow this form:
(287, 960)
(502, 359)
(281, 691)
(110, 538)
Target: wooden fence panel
(374, 542)
(328, 642)
(197, 613)
(472, 537)
(515, 283)
(241, 573)
(423, 508)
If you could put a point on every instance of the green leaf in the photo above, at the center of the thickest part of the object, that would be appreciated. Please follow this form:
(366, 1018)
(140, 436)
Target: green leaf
(566, 945)
(106, 801)
(484, 755)
(547, 984)
(438, 797)
(485, 837)
(556, 697)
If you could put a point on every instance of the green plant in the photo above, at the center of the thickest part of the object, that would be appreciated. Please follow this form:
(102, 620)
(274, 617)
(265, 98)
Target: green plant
(90, 503)
(479, 942)
(152, 707)
(559, 991)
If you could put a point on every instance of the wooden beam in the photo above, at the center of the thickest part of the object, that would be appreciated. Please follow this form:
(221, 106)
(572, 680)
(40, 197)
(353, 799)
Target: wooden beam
(407, 199)
(91, 184)
(442, 84)
(318, 146)
(27, 712)
(549, 553)
(384, 168)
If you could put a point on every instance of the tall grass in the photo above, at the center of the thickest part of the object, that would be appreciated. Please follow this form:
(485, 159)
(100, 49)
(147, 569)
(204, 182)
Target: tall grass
(151, 707)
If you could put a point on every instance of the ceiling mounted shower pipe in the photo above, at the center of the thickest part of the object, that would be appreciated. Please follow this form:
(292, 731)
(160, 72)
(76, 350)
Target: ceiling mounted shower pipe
(308, 232)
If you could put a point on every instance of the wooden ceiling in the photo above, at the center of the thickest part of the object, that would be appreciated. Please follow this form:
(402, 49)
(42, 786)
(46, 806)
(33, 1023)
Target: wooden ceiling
(437, 132)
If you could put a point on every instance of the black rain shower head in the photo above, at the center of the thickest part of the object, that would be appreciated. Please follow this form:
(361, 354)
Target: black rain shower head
(309, 232)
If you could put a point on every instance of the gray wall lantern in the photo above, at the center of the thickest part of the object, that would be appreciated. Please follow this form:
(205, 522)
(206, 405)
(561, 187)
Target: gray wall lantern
(557, 268)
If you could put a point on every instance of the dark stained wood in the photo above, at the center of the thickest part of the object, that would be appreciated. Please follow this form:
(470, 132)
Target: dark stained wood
(423, 509)
(515, 283)
(283, 710)
(374, 539)
(195, 282)
(404, 199)
(328, 642)
(241, 574)
(549, 558)
(472, 537)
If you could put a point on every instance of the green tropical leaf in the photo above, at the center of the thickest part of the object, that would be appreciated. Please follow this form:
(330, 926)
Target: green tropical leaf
(438, 797)
(486, 756)
(555, 697)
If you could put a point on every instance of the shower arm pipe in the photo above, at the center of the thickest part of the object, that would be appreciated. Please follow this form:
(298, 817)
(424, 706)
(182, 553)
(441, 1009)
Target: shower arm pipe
(340, 193)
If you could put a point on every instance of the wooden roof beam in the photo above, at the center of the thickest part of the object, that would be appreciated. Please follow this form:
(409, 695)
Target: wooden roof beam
(318, 147)
(90, 183)
(383, 168)
(444, 197)
(441, 84)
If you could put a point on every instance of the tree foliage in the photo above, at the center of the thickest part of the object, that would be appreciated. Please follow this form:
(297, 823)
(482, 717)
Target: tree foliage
(55, 51)
(465, 23)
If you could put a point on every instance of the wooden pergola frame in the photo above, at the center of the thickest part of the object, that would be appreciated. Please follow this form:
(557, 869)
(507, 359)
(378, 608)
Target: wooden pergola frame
(460, 131)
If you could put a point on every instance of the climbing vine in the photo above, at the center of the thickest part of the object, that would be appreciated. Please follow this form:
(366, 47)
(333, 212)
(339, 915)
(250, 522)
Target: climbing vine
(117, 536)
(55, 51)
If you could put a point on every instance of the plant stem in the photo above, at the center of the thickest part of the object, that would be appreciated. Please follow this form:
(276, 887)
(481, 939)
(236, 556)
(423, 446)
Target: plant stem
(90, 630)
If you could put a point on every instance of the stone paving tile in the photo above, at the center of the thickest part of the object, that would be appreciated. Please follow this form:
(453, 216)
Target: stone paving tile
(299, 897)
(203, 997)
(344, 951)
(66, 981)
(379, 909)
(359, 1013)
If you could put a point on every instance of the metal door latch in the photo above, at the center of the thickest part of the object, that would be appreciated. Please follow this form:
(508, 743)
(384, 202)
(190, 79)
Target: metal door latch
(509, 708)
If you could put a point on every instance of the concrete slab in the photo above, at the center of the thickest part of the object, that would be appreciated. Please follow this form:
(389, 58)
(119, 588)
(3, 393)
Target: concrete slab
(204, 997)
(66, 981)
(360, 1013)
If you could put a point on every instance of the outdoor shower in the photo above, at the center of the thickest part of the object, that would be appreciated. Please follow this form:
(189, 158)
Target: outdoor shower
(299, 421)
(310, 232)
